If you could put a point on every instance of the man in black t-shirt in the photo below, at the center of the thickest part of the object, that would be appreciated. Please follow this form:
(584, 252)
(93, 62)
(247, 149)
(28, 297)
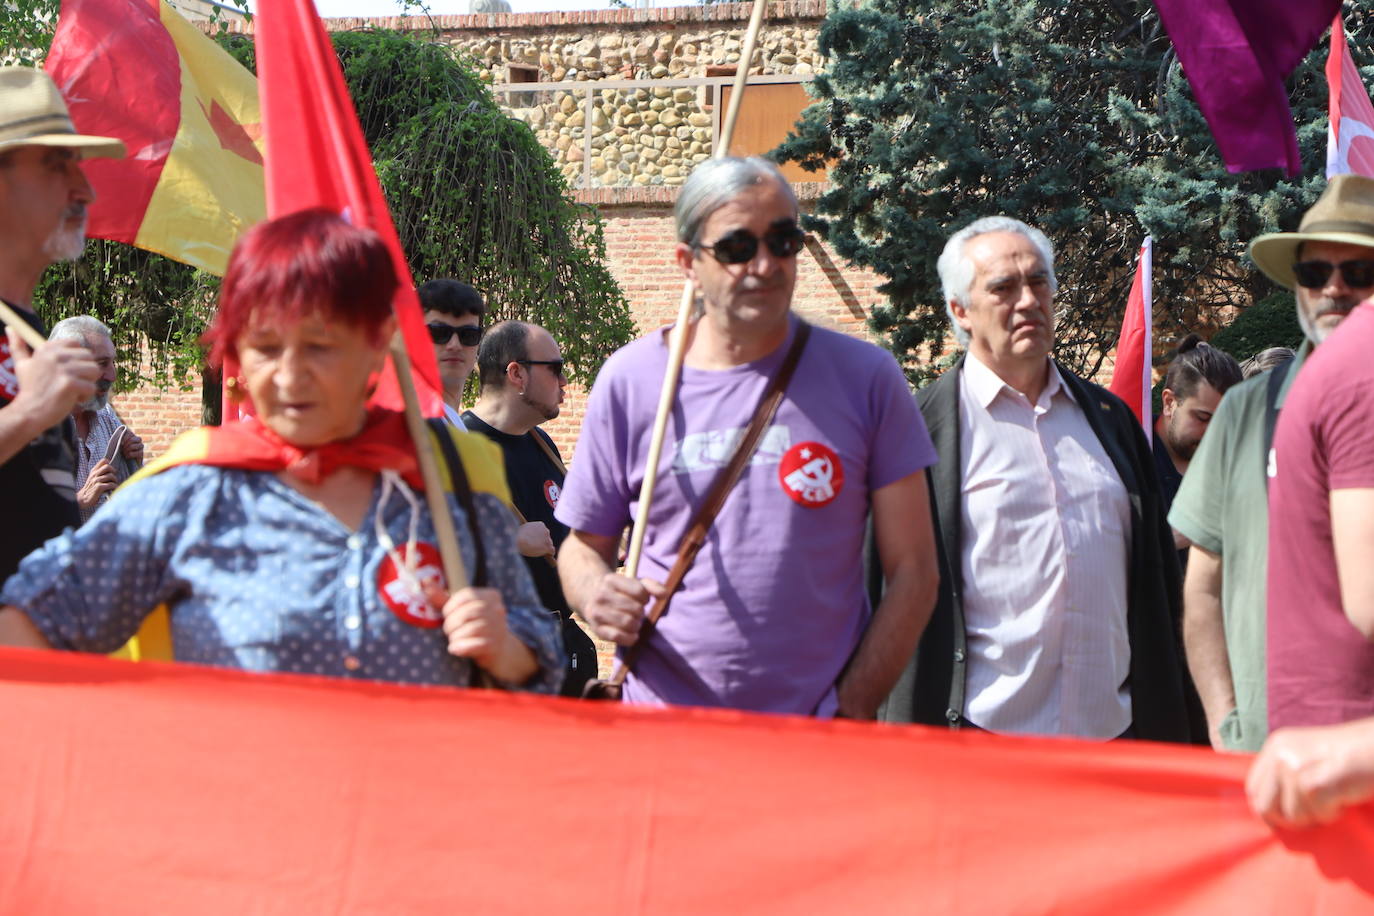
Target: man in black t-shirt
(520, 369)
(43, 200)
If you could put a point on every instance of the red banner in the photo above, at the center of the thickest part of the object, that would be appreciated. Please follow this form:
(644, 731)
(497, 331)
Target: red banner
(1132, 375)
(136, 788)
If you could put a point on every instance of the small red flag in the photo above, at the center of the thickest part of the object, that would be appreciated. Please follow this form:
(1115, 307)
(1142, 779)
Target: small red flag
(317, 157)
(1350, 132)
(1132, 379)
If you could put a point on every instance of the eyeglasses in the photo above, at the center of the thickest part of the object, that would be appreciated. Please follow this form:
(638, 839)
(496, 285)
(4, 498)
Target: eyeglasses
(740, 246)
(1315, 274)
(555, 365)
(469, 335)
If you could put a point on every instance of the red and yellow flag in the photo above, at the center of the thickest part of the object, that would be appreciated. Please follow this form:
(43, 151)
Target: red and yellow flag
(186, 111)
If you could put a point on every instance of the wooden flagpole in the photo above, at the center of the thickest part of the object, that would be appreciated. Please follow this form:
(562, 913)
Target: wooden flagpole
(677, 341)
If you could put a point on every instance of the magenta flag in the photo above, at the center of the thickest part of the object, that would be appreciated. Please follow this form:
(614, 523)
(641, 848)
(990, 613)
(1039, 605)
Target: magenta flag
(1236, 54)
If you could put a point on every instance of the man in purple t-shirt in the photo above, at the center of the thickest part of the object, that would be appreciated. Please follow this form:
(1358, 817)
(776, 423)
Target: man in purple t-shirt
(773, 615)
(1321, 532)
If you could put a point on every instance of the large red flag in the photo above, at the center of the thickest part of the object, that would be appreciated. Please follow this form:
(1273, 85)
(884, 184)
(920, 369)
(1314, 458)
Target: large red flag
(1236, 55)
(1132, 378)
(186, 111)
(1350, 131)
(317, 157)
(155, 788)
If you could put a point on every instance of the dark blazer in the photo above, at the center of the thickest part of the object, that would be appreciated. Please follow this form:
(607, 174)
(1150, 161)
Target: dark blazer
(931, 689)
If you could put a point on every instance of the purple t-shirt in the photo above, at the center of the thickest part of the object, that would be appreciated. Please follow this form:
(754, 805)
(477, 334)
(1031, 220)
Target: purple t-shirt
(775, 603)
(1321, 669)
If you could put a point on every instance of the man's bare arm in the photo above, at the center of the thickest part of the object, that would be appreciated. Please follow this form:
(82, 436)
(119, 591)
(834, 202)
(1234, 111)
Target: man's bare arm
(1352, 541)
(612, 604)
(17, 630)
(905, 540)
(1204, 639)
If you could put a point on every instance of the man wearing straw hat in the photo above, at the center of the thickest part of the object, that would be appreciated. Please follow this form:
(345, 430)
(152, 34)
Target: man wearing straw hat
(771, 615)
(43, 200)
(1222, 504)
(1320, 616)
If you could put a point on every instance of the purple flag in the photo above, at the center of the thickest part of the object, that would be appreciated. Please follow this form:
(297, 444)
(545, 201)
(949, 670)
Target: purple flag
(1236, 54)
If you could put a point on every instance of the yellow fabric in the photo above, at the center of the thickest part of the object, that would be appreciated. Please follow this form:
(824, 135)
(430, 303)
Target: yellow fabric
(209, 190)
(482, 460)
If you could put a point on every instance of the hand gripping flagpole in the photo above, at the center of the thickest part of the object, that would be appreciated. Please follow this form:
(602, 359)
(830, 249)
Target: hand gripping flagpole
(677, 341)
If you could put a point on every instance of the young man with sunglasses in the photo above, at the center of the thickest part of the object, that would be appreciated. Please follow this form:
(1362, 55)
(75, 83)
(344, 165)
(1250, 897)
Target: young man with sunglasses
(453, 313)
(1224, 503)
(772, 615)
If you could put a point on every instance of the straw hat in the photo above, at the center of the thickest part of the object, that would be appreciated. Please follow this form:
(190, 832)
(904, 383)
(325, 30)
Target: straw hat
(1344, 213)
(32, 113)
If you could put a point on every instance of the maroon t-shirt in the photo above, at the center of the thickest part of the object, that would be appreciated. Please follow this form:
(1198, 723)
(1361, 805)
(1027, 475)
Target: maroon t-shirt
(1321, 669)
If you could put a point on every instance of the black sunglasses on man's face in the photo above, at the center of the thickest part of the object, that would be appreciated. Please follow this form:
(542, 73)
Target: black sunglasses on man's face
(784, 240)
(469, 335)
(1357, 274)
(555, 365)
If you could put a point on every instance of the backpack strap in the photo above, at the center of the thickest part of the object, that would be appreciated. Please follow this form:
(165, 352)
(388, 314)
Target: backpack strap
(462, 491)
(1273, 387)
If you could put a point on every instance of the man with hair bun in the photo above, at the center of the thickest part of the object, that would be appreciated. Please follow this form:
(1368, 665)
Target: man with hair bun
(1193, 385)
(772, 616)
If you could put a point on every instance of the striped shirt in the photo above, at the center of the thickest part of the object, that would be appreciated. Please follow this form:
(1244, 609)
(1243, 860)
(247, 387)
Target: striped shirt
(1046, 524)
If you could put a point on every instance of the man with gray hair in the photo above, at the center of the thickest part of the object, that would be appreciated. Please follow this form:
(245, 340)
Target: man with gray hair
(772, 615)
(43, 200)
(96, 422)
(1059, 587)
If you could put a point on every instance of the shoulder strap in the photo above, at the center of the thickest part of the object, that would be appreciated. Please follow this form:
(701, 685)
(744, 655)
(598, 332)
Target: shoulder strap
(720, 488)
(462, 491)
(1271, 412)
(542, 438)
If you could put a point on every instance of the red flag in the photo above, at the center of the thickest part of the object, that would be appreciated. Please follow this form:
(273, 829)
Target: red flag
(186, 111)
(1132, 379)
(1236, 55)
(180, 789)
(317, 157)
(1350, 132)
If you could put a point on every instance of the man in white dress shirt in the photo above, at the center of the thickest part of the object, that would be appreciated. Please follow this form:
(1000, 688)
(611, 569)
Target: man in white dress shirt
(1059, 584)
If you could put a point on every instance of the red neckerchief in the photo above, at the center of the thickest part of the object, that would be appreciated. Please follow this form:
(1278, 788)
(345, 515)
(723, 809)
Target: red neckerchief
(249, 445)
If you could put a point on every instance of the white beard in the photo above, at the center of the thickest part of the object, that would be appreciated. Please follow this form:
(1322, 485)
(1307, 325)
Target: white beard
(66, 243)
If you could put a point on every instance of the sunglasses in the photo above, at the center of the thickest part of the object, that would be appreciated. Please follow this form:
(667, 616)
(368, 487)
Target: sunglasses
(1315, 274)
(469, 335)
(555, 365)
(740, 246)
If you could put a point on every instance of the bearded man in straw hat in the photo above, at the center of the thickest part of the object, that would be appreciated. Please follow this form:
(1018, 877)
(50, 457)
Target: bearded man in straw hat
(43, 200)
(1221, 505)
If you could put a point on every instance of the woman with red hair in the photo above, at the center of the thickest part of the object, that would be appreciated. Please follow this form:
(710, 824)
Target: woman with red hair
(295, 541)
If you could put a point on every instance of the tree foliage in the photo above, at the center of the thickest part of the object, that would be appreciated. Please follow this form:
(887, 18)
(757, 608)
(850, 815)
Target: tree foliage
(1072, 116)
(473, 195)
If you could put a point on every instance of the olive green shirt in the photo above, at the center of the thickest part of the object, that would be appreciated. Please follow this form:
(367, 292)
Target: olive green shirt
(1222, 506)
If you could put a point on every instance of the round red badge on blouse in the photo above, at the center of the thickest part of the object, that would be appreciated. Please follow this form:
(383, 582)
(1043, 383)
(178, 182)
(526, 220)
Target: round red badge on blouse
(811, 474)
(551, 492)
(405, 601)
